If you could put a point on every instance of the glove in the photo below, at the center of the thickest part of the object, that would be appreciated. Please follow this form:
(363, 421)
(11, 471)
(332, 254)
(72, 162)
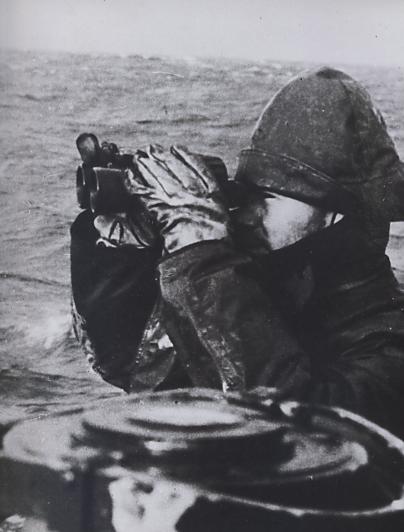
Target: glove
(122, 229)
(182, 194)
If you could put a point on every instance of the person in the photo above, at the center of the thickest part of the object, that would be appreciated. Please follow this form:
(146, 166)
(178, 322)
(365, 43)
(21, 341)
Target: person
(293, 290)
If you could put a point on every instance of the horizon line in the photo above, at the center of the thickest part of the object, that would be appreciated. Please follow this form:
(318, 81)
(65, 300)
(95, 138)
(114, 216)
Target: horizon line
(146, 55)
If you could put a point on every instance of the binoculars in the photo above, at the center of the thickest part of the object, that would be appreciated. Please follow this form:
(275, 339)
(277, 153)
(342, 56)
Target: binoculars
(100, 179)
(102, 190)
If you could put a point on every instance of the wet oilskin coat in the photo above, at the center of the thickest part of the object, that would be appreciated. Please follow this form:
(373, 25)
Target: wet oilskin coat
(332, 333)
(326, 327)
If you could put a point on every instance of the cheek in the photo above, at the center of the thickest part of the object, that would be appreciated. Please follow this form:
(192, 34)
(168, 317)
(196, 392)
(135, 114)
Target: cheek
(274, 217)
(284, 223)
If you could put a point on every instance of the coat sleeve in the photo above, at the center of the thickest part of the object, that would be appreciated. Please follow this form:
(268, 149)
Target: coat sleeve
(223, 316)
(113, 293)
(227, 321)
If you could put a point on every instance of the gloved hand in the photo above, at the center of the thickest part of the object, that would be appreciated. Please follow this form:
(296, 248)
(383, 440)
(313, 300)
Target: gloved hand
(122, 229)
(178, 188)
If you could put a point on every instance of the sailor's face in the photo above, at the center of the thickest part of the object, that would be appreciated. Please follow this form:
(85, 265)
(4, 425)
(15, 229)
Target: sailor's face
(269, 221)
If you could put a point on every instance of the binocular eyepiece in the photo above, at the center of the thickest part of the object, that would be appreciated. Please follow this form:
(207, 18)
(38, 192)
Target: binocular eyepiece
(100, 179)
(102, 190)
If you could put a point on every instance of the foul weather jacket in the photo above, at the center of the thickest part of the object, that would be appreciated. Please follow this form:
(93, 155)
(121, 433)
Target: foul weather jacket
(321, 321)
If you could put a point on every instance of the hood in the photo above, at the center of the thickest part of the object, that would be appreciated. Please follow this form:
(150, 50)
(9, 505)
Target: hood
(320, 140)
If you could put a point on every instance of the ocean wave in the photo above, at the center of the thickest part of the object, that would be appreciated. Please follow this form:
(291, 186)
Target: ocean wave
(41, 98)
(237, 123)
(49, 332)
(44, 393)
(30, 97)
(170, 74)
(31, 279)
(193, 118)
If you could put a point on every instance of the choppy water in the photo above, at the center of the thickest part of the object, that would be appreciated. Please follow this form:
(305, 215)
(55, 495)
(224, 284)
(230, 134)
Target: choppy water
(46, 100)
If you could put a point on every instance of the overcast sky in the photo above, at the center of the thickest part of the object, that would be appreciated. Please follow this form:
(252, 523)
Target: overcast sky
(359, 31)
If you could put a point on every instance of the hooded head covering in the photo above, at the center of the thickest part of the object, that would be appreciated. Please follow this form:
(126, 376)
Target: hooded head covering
(320, 140)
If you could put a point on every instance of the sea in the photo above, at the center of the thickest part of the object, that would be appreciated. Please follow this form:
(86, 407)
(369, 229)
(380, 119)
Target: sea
(46, 100)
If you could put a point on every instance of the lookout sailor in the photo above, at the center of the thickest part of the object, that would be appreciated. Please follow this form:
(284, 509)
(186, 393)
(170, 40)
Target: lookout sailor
(290, 290)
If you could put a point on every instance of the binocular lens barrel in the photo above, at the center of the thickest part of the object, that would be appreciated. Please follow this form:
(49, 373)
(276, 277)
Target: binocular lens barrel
(102, 190)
